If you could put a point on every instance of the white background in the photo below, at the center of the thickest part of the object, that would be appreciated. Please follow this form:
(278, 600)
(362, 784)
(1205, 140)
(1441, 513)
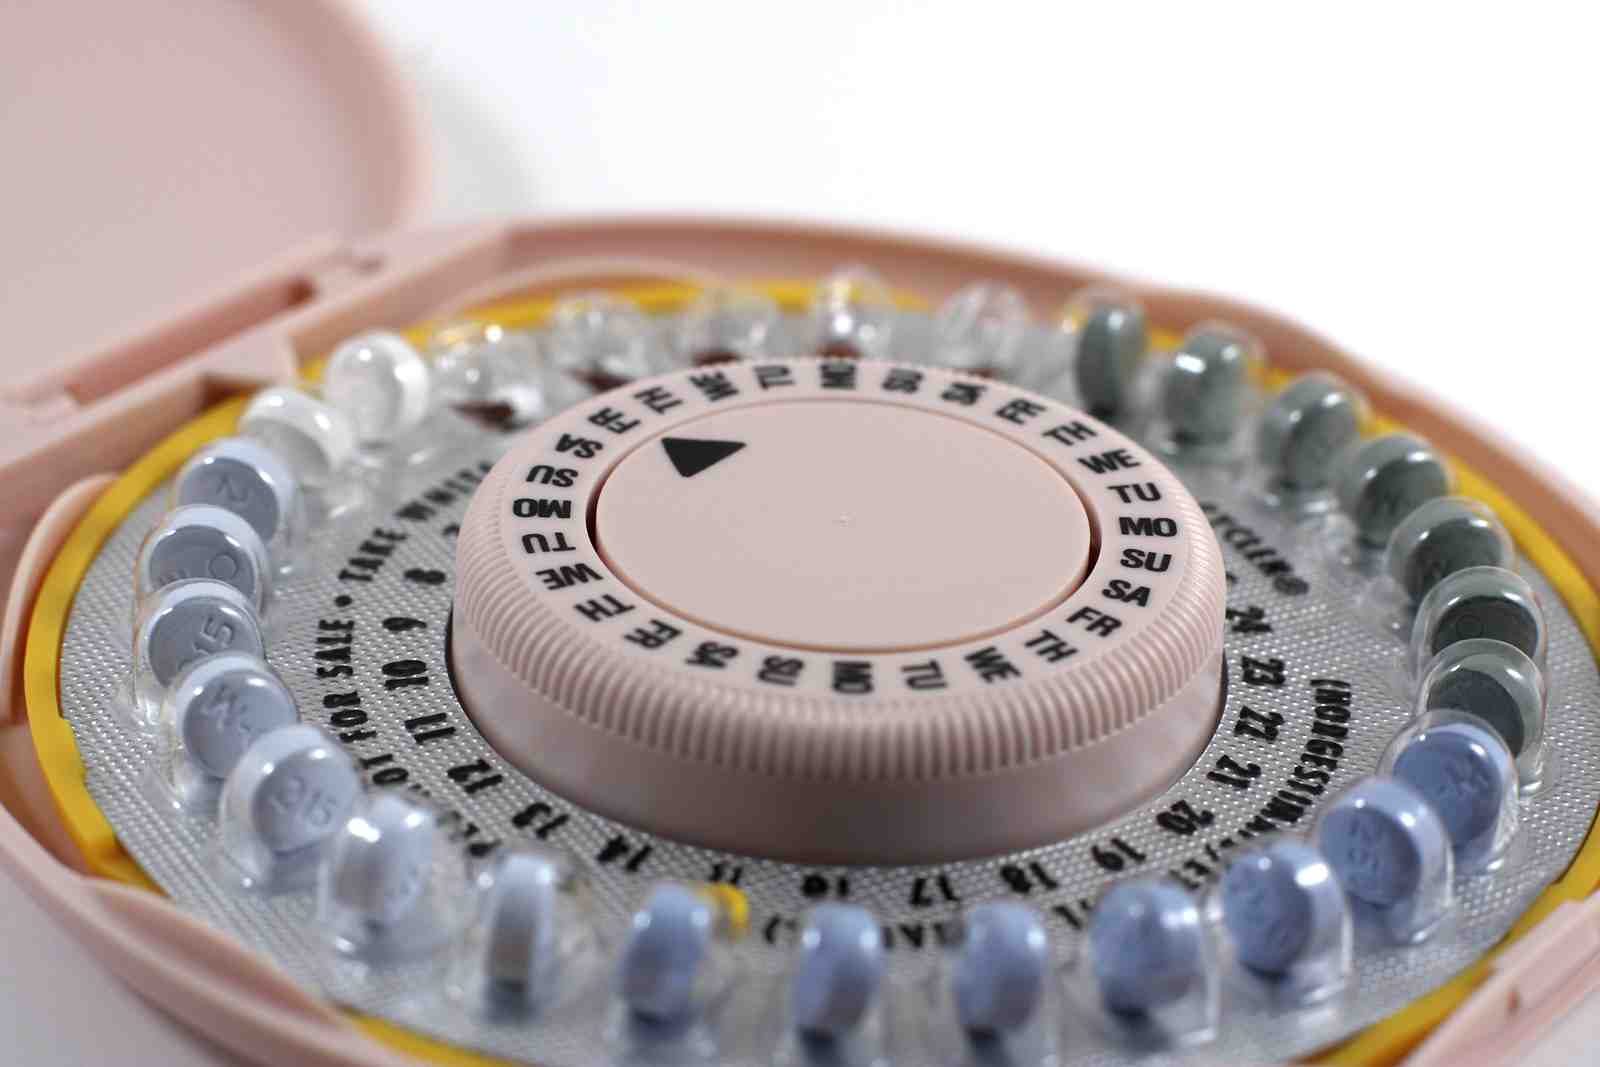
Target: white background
(1418, 183)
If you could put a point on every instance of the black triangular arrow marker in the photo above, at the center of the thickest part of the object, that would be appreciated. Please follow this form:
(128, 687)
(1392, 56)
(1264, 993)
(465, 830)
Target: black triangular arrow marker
(690, 456)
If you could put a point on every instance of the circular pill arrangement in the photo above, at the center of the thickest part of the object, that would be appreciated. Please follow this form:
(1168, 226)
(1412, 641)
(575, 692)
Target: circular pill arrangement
(646, 688)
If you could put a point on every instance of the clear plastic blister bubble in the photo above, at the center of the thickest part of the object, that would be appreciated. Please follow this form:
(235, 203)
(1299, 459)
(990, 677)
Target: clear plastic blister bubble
(1300, 435)
(204, 541)
(1149, 967)
(385, 389)
(391, 885)
(244, 476)
(1442, 536)
(1392, 854)
(1479, 602)
(674, 973)
(1499, 685)
(725, 324)
(1381, 480)
(1463, 769)
(288, 794)
(173, 627)
(835, 996)
(994, 997)
(603, 340)
(1208, 394)
(1286, 920)
(979, 330)
(1110, 342)
(532, 947)
(852, 315)
(214, 710)
(498, 376)
(315, 440)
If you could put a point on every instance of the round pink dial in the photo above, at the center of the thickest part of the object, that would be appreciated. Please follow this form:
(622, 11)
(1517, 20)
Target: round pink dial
(839, 611)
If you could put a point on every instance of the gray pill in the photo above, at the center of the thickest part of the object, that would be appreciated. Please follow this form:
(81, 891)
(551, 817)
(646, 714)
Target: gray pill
(667, 947)
(1465, 772)
(246, 478)
(1442, 536)
(1001, 968)
(190, 619)
(1279, 903)
(1305, 428)
(1480, 602)
(1207, 389)
(220, 704)
(292, 788)
(1491, 681)
(204, 541)
(521, 920)
(838, 969)
(1382, 840)
(1383, 480)
(1112, 341)
(1147, 946)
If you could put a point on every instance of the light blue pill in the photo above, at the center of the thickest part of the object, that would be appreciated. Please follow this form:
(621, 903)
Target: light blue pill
(1278, 903)
(668, 944)
(1464, 771)
(837, 971)
(1001, 967)
(1147, 946)
(1207, 388)
(1381, 838)
(1383, 480)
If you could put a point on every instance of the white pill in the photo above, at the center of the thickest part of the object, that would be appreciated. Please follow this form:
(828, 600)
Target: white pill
(314, 439)
(380, 863)
(221, 704)
(188, 620)
(851, 316)
(380, 383)
(520, 925)
(204, 541)
(246, 478)
(294, 787)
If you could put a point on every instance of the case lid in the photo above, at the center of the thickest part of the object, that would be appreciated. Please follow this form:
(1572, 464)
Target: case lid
(155, 150)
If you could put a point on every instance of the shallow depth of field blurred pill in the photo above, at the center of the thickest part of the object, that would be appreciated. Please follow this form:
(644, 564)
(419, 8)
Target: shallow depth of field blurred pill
(1305, 428)
(838, 968)
(1384, 479)
(522, 917)
(1442, 536)
(1147, 944)
(219, 705)
(1001, 967)
(244, 477)
(1466, 773)
(1382, 839)
(1112, 340)
(292, 788)
(724, 324)
(380, 383)
(1206, 391)
(668, 944)
(380, 863)
(1278, 903)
